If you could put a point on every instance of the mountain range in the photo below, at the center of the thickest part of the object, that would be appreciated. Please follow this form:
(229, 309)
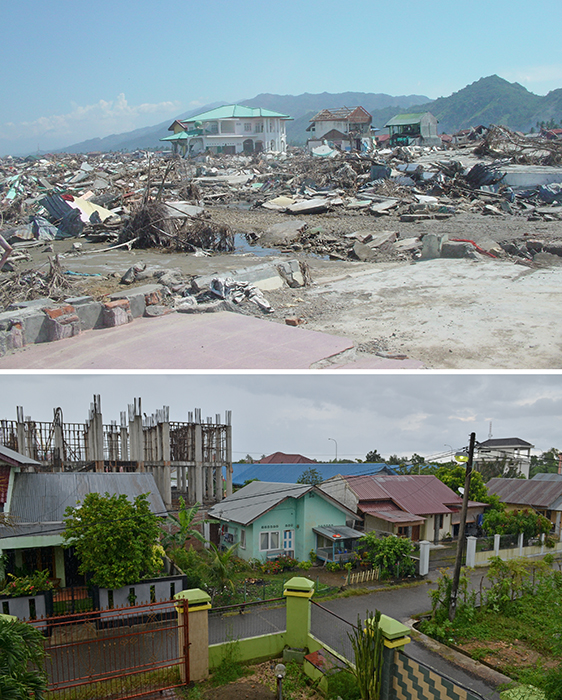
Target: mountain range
(490, 100)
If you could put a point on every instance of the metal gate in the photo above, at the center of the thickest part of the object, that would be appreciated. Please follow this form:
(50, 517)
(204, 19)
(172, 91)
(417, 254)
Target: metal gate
(117, 653)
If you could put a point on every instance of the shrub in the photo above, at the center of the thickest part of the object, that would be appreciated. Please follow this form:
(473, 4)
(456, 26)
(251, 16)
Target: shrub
(392, 555)
(343, 685)
(333, 566)
(304, 565)
(27, 585)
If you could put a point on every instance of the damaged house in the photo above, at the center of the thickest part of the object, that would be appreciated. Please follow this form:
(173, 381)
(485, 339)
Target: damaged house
(230, 129)
(413, 130)
(345, 128)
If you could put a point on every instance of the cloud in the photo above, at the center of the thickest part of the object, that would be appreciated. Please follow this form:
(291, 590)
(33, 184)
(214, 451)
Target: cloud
(537, 74)
(88, 121)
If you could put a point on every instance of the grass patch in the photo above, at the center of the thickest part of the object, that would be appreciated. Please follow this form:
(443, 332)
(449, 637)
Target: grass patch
(118, 687)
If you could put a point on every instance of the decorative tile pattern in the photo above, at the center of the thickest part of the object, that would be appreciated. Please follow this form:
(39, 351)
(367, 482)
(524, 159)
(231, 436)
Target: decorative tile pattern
(412, 681)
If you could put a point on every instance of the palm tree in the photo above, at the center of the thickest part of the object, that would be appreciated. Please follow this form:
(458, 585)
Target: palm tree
(221, 569)
(182, 526)
(22, 673)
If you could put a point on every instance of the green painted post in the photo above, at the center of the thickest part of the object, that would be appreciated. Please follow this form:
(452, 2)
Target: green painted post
(298, 591)
(395, 638)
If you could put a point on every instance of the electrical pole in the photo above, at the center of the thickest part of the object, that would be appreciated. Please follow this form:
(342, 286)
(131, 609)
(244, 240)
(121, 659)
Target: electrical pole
(460, 542)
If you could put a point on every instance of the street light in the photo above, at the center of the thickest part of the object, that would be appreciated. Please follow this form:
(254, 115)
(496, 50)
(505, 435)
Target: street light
(335, 441)
(280, 672)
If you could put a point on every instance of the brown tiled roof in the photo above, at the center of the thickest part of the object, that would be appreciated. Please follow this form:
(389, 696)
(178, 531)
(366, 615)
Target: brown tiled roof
(283, 458)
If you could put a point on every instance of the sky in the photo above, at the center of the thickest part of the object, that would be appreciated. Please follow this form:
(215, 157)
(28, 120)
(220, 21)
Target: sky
(427, 413)
(74, 70)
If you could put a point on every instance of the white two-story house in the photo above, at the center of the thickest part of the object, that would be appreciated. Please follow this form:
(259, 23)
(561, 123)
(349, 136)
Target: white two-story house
(230, 129)
(345, 127)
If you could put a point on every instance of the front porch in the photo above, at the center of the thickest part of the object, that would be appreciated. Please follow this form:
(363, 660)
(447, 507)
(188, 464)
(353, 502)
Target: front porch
(336, 543)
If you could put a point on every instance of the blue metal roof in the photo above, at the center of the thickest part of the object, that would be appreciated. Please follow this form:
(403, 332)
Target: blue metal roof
(290, 473)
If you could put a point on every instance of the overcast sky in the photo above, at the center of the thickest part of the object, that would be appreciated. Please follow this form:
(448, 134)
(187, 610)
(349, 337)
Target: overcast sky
(81, 69)
(306, 413)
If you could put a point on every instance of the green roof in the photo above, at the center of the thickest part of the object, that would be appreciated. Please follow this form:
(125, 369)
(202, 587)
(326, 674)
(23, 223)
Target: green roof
(235, 112)
(405, 119)
(181, 135)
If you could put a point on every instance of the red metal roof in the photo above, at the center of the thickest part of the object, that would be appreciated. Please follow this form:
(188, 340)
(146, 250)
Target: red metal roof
(417, 494)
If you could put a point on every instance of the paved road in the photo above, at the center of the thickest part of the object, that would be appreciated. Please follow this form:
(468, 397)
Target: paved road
(403, 604)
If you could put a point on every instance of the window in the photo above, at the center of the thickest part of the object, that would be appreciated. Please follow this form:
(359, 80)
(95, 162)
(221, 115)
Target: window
(227, 127)
(271, 125)
(247, 126)
(242, 539)
(213, 127)
(269, 540)
(259, 127)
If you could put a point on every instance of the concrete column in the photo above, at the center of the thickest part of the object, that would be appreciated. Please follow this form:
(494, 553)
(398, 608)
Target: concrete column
(497, 545)
(520, 544)
(197, 647)
(543, 537)
(164, 429)
(198, 463)
(298, 591)
(218, 483)
(228, 456)
(424, 557)
(557, 524)
(58, 443)
(22, 445)
(97, 434)
(124, 452)
(471, 552)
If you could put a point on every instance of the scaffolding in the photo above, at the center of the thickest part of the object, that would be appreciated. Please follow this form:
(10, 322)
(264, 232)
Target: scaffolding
(191, 459)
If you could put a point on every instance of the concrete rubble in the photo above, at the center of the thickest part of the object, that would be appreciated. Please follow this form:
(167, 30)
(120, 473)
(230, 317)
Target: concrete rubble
(142, 201)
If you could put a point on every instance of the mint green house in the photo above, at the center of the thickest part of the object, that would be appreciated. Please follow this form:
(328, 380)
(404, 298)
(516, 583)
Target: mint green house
(267, 520)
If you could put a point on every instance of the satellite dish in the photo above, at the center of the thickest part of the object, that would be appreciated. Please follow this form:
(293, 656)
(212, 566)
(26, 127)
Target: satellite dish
(461, 490)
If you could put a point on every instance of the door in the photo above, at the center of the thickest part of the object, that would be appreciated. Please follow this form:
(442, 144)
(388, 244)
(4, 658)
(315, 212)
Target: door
(288, 541)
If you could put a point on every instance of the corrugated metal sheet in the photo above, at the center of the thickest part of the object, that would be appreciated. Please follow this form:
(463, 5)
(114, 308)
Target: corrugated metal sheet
(13, 457)
(254, 500)
(541, 493)
(334, 533)
(43, 498)
(290, 473)
(393, 516)
(417, 494)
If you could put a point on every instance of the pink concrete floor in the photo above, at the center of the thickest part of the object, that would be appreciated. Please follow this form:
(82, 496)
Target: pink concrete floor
(201, 341)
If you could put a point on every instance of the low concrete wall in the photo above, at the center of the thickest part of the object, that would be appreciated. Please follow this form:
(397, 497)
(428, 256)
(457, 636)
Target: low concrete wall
(483, 558)
(255, 649)
(28, 607)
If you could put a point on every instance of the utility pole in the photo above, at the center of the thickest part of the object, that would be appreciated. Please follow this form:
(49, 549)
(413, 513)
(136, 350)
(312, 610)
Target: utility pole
(460, 543)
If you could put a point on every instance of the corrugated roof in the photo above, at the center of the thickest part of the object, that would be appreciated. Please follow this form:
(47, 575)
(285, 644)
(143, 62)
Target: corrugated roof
(541, 493)
(235, 112)
(335, 533)
(392, 516)
(547, 477)
(417, 494)
(255, 499)
(290, 473)
(15, 458)
(505, 442)
(284, 458)
(43, 498)
(401, 119)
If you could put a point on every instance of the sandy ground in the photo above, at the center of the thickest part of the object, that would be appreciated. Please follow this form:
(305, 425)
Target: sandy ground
(449, 314)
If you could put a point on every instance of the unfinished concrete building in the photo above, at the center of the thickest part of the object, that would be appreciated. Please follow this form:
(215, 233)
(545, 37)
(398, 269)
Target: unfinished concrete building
(191, 459)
